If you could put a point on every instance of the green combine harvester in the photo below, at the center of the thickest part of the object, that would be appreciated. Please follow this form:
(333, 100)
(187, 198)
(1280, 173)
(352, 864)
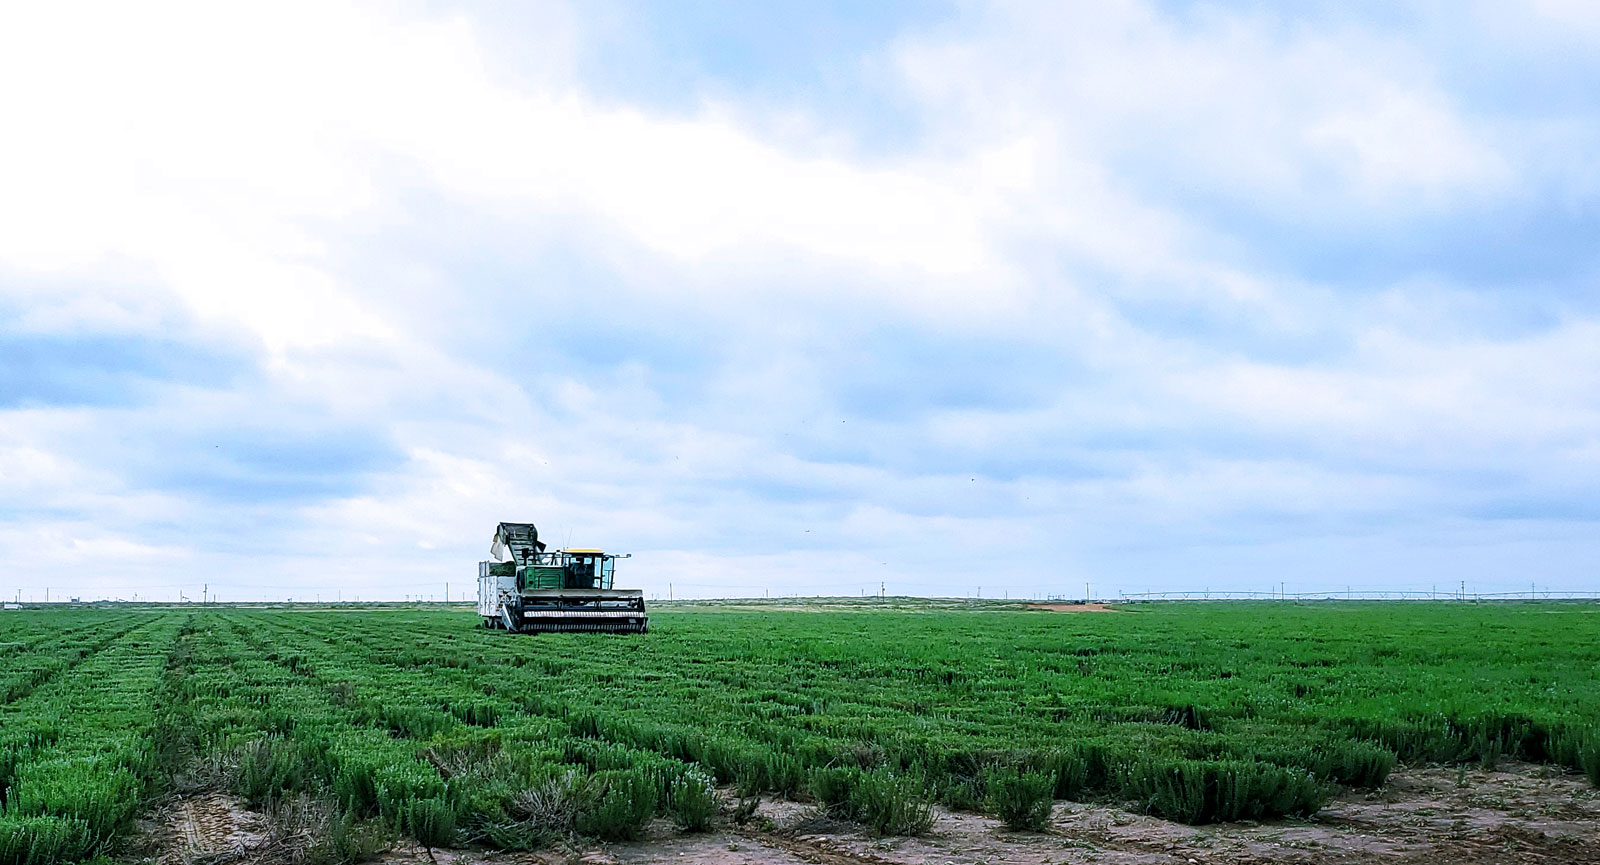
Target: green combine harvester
(526, 589)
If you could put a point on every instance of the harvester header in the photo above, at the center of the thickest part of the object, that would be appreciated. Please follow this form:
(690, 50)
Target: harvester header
(526, 588)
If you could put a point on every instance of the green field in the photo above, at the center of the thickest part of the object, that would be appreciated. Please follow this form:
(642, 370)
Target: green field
(414, 721)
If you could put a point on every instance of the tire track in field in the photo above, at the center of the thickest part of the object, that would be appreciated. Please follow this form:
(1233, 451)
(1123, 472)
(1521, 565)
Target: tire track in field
(809, 849)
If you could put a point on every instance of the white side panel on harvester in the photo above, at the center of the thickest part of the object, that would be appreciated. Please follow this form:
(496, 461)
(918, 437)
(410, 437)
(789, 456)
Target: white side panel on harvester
(491, 590)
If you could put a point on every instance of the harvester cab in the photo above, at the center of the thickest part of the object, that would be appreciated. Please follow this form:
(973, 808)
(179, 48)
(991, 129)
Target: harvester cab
(527, 588)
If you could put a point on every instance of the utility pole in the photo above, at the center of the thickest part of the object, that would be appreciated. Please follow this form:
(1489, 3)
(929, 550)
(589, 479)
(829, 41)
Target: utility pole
(447, 591)
(205, 593)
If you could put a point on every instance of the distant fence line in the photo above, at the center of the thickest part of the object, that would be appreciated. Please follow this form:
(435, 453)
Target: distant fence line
(1350, 595)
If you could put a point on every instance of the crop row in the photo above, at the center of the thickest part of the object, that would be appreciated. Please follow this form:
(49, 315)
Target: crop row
(32, 662)
(79, 757)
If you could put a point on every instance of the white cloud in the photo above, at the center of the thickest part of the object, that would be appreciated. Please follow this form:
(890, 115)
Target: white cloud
(216, 150)
(1397, 143)
(265, 175)
(1222, 104)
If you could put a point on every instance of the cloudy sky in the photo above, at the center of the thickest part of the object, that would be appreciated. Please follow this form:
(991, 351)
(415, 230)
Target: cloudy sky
(810, 297)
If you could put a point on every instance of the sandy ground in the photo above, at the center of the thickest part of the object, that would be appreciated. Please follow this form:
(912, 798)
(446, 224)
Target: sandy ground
(207, 827)
(1072, 608)
(1426, 816)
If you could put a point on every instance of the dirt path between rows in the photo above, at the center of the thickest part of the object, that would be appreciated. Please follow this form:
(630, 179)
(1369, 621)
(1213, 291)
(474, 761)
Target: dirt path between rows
(1522, 814)
(1073, 608)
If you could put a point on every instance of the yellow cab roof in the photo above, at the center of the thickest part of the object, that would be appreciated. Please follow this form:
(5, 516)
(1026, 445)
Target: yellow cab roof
(585, 551)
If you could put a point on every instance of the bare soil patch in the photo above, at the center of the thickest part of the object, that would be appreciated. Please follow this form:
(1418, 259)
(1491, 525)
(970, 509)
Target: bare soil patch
(1073, 608)
(207, 827)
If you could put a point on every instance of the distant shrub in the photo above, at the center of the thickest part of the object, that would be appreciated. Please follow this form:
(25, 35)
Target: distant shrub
(264, 770)
(960, 793)
(351, 840)
(1428, 738)
(865, 754)
(584, 724)
(410, 721)
(833, 787)
(891, 804)
(784, 774)
(598, 755)
(1581, 750)
(10, 758)
(1484, 738)
(724, 758)
(1188, 715)
(402, 782)
(619, 805)
(1069, 770)
(28, 840)
(341, 693)
(1355, 764)
(355, 785)
(312, 831)
(693, 801)
(540, 813)
(1352, 764)
(1020, 798)
(1589, 761)
(171, 734)
(1194, 792)
(478, 713)
(94, 790)
(430, 820)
